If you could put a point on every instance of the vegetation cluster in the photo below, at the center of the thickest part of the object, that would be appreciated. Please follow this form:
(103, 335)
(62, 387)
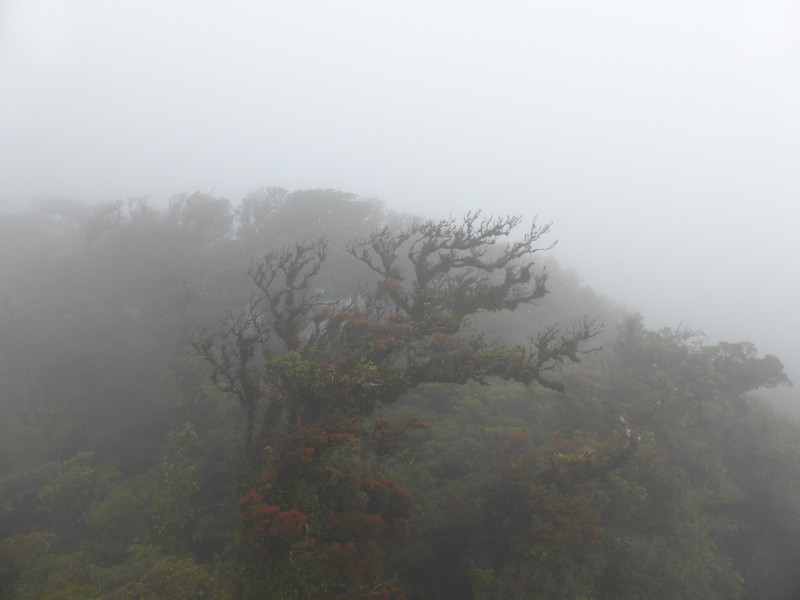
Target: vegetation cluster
(307, 396)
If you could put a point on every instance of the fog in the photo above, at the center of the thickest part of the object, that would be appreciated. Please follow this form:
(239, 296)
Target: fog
(662, 140)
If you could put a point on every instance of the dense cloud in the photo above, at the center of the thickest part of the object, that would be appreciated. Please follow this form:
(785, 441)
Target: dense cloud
(661, 140)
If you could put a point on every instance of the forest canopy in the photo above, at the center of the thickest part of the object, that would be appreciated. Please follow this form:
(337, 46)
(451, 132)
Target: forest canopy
(309, 396)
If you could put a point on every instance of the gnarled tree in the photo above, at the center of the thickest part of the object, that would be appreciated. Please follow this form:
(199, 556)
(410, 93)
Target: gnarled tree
(412, 328)
(316, 367)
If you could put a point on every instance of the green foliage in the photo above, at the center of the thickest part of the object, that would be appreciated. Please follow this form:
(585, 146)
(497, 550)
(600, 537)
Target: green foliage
(170, 578)
(315, 518)
(126, 472)
(73, 592)
(70, 488)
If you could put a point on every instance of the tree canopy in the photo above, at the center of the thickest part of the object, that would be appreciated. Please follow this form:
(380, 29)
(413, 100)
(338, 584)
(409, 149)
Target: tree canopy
(308, 396)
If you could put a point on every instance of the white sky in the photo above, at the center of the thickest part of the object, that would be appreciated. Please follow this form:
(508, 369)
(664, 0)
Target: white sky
(662, 139)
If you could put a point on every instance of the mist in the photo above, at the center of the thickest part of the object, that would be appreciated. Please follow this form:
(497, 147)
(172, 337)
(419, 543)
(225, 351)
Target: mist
(661, 141)
(381, 300)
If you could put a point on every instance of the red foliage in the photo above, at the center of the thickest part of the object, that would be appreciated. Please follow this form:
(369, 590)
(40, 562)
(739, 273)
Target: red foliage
(306, 511)
(556, 511)
(306, 444)
(287, 522)
(363, 332)
(267, 527)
